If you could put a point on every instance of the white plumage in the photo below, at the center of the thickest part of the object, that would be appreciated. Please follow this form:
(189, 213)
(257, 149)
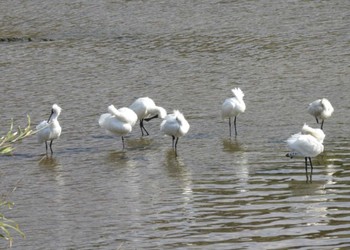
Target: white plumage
(308, 143)
(321, 109)
(50, 130)
(233, 106)
(118, 121)
(175, 125)
(146, 110)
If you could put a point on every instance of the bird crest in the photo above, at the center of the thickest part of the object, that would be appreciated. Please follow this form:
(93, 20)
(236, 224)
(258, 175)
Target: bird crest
(238, 93)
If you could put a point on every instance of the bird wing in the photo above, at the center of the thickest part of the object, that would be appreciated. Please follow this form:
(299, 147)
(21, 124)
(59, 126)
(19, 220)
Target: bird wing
(228, 107)
(43, 133)
(170, 125)
(113, 125)
(305, 145)
(315, 108)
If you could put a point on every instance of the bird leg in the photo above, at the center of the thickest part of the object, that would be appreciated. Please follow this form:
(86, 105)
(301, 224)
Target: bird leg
(234, 122)
(229, 124)
(312, 168)
(51, 147)
(123, 142)
(177, 139)
(311, 163)
(316, 119)
(173, 142)
(322, 124)
(307, 177)
(143, 128)
(46, 146)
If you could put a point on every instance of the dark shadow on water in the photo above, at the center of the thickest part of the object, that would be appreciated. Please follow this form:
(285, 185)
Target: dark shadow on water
(302, 187)
(117, 156)
(48, 161)
(174, 163)
(138, 143)
(232, 145)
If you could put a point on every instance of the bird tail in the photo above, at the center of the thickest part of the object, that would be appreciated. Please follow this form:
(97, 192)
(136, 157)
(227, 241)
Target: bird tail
(238, 93)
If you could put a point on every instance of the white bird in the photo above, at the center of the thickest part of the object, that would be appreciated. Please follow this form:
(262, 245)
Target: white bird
(307, 143)
(50, 130)
(118, 121)
(146, 110)
(175, 125)
(233, 106)
(320, 109)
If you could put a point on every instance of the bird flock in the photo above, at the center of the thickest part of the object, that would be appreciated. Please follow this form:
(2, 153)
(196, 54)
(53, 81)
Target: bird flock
(307, 143)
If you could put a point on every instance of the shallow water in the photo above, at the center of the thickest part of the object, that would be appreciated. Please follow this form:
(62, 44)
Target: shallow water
(219, 193)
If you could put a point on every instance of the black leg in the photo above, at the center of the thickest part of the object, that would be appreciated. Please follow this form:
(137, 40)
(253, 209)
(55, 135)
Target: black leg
(123, 142)
(143, 128)
(306, 165)
(322, 124)
(229, 124)
(177, 139)
(51, 146)
(46, 146)
(173, 142)
(141, 124)
(316, 119)
(311, 164)
(235, 125)
(312, 168)
(307, 176)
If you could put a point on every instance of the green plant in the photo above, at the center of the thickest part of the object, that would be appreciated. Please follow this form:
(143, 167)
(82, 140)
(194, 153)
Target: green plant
(6, 147)
(6, 225)
(7, 141)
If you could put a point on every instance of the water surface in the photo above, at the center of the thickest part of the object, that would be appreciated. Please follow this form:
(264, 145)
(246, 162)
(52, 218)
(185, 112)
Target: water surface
(220, 192)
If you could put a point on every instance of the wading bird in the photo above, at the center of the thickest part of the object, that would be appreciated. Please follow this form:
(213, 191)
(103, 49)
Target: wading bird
(146, 110)
(320, 109)
(118, 121)
(50, 130)
(308, 143)
(232, 107)
(175, 125)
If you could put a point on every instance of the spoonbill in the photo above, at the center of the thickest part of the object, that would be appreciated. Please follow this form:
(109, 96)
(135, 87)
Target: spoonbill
(146, 110)
(232, 107)
(118, 121)
(320, 109)
(175, 125)
(307, 143)
(50, 130)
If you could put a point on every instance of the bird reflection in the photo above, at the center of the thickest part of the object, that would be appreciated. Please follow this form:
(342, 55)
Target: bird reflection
(52, 167)
(308, 176)
(232, 145)
(139, 143)
(48, 161)
(177, 169)
(174, 165)
(302, 188)
(115, 156)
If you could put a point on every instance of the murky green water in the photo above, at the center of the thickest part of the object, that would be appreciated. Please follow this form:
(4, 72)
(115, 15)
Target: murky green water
(219, 193)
